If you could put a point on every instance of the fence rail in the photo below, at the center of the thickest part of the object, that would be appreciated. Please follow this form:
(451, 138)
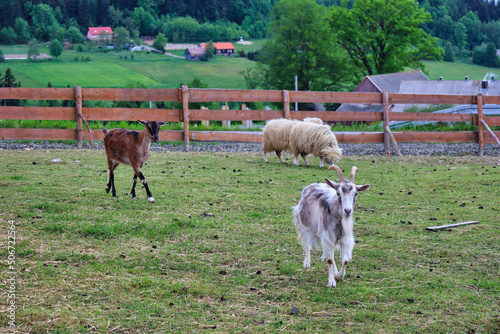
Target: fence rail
(184, 114)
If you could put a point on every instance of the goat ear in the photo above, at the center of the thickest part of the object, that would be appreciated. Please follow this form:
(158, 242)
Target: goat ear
(161, 123)
(332, 184)
(143, 122)
(363, 187)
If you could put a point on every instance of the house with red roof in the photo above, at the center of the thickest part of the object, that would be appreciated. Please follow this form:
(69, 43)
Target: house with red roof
(100, 34)
(222, 49)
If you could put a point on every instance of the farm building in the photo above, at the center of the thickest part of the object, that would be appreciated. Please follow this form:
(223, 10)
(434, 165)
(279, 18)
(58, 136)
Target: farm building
(100, 34)
(390, 83)
(222, 49)
(194, 54)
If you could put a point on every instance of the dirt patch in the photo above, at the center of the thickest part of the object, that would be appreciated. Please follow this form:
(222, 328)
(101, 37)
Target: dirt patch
(25, 56)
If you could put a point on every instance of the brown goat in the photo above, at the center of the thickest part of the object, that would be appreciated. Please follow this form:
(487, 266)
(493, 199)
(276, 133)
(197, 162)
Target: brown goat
(131, 148)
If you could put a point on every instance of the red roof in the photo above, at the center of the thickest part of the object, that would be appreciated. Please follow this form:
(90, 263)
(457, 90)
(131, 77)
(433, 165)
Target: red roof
(220, 46)
(100, 30)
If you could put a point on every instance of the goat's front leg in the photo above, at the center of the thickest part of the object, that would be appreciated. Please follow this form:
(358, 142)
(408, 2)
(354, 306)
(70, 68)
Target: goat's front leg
(296, 160)
(132, 192)
(145, 183)
(346, 250)
(321, 163)
(332, 271)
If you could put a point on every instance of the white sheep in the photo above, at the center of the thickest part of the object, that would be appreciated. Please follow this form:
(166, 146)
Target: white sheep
(276, 136)
(323, 217)
(310, 138)
(313, 120)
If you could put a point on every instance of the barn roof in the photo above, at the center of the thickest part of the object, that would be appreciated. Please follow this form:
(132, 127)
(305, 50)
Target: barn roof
(220, 46)
(196, 51)
(100, 30)
(391, 82)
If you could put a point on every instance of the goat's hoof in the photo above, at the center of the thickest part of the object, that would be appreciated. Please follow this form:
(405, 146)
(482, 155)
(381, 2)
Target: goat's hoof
(307, 265)
(133, 197)
(151, 200)
(332, 284)
(107, 190)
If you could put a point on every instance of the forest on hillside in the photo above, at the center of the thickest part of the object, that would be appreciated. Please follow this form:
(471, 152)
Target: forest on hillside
(466, 24)
(465, 28)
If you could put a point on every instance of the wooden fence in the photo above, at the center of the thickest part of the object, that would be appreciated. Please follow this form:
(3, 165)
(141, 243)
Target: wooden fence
(187, 95)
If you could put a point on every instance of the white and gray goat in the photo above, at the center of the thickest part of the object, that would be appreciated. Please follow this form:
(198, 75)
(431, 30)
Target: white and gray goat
(323, 217)
(130, 148)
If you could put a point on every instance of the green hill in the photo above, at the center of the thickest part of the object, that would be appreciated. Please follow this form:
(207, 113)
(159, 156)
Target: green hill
(119, 68)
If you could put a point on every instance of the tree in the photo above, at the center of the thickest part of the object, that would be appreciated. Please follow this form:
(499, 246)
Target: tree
(383, 36)
(22, 30)
(490, 56)
(56, 48)
(9, 80)
(160, 42)
(8, 36)
(301, 45)
(42, 17)
(448, 52)
(74, 35)
(33, 49)
(460, 37)
(2, 57)
(209, 51)
(121, 36)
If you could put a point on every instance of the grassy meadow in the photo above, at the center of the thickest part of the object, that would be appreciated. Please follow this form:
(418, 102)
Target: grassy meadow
(117, 68)
(218, 252)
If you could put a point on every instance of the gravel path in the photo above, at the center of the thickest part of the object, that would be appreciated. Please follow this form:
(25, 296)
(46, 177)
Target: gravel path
(412, 149)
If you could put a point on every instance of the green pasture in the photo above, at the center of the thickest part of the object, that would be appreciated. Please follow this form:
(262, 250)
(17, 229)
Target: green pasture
(457, 70)
(104, 75)
(218, 252)
(117, 68)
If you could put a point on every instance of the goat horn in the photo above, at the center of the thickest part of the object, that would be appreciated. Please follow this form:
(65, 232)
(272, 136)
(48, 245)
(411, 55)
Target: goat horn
(353, 173)
(339, 172)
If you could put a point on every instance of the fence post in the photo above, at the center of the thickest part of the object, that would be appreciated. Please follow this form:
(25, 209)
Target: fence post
(286, 104)
(185, 113)
(385, 101)
(79, 121)
(480, 126)
(226, 123)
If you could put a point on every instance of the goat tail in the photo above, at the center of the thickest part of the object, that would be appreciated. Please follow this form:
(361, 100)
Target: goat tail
(297, 222)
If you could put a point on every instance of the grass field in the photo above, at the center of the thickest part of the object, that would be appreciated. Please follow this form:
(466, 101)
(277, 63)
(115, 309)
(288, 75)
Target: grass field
(218, 252)
(117, 69)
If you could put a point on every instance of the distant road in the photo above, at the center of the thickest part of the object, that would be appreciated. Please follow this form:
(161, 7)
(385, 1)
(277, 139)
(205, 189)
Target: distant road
(25, 56)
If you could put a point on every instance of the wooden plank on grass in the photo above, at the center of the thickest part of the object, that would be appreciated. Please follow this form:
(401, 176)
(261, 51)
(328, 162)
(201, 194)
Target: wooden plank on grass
(435, 228)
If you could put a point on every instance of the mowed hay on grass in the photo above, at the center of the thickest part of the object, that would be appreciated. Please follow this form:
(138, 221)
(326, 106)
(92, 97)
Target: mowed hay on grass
(218, 250)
